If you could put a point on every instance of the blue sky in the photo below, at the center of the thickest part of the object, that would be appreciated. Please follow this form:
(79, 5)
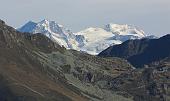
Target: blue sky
(153, 16)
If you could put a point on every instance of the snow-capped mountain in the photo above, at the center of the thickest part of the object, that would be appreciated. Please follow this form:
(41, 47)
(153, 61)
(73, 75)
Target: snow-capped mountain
(54, 31)
(97, 39)
(125, 32)
(90, 40)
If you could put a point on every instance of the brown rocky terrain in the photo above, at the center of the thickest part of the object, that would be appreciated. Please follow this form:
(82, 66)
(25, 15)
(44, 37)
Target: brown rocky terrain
(33, 68)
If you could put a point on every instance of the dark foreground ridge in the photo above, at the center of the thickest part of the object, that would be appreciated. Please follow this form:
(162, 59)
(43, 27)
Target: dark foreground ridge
(141, 52)
(33, 68)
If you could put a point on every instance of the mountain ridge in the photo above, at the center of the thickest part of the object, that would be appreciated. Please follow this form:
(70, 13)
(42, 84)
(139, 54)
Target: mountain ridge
(142, 51)
(85, 40)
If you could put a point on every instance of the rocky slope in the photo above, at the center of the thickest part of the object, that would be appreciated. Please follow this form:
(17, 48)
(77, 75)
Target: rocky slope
(90, 40)
(34, 68)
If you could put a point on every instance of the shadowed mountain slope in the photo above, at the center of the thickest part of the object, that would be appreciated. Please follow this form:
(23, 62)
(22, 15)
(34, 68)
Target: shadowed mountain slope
(141, 52)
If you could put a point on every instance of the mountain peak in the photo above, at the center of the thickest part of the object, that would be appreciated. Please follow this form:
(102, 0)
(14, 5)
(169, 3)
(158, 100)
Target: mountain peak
(28, 27)
(125, 29)
(49, 23)
(92, 40)
(52, 30)
(111, 26)
(45, 20)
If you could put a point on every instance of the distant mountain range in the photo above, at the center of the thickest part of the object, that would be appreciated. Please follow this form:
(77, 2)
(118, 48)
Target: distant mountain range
(91, 40)
(141, 52)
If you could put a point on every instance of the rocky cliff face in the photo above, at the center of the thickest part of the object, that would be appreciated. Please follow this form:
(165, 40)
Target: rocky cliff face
(33, 68)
